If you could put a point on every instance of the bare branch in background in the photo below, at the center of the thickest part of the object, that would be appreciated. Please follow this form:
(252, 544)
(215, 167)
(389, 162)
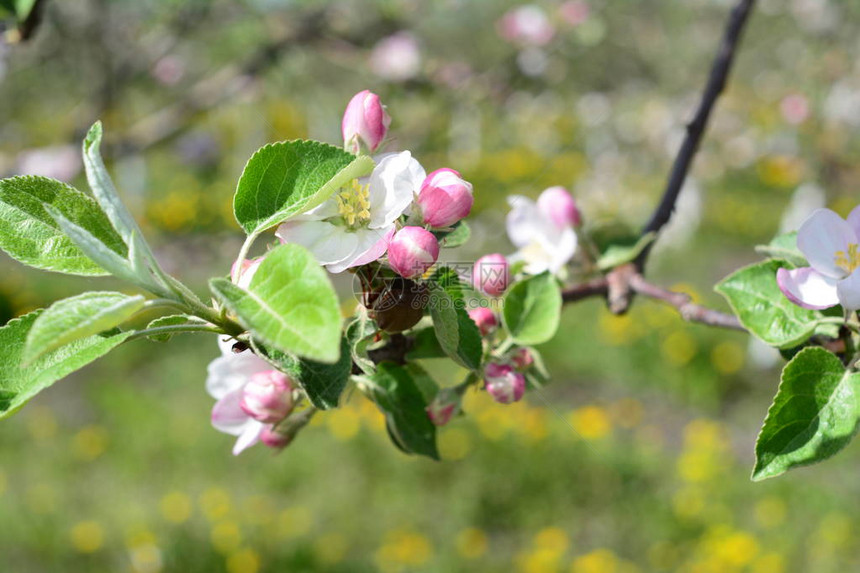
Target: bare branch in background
(696, 128)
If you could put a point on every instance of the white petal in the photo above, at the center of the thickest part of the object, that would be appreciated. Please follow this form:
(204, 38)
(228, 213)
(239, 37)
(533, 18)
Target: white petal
(249, 437)
(328, 243)
(807, 287)
(228, 416)
(563, 250)
(230, 372)
(854, 220)
(524, 221)
(366, 243)
(823, 235)
(393, 185)
(848, 290)
(326, 209)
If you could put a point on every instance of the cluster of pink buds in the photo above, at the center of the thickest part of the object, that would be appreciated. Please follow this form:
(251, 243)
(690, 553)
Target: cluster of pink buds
(503, 383)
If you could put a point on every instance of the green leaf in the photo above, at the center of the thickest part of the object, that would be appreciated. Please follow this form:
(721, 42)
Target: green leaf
(425, 344)
(290, 305)
(813, 416)
(762, 309)
(784, 247)
(170, 320)
(457, 236)
(94, 248)
(323, 383)
(288, 178)
(18, 384)
(395, 391)
(29, 234)
(457, 334)
(617, 254)
(359, 334)
(77, 317)
(532, 309)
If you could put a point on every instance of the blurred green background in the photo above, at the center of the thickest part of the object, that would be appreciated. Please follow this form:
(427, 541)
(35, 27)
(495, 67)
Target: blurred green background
(636, 458)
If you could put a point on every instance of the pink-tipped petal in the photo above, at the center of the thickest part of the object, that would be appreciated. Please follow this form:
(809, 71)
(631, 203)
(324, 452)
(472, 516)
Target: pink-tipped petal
(228, 416)
(821, 237)
(808, 288)
(848, 290)
(377, 249)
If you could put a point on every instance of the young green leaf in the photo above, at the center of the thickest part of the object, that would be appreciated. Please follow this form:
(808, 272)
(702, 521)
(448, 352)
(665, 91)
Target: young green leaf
(290, 305)
(532, 309)
(18, 384)
(457, 334)
(457, 236)
(617, 254)
(170, 320)
(77, 317)
(358, 334)
(29, 234)
(395, 391)
(762, 309)
(784, 247)
(287, 178)
(323, 383)
(813, 416)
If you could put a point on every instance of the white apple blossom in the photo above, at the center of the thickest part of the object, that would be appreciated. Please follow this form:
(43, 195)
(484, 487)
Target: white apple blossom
(542, 243)
(832, 246)
(355, 225)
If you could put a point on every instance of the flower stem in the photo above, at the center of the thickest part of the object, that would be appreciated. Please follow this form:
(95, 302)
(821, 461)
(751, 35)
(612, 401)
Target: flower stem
(174, 329)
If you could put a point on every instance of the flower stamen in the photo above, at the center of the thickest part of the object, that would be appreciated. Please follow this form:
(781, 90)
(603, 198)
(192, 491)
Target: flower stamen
(353, 204)
(850, 260)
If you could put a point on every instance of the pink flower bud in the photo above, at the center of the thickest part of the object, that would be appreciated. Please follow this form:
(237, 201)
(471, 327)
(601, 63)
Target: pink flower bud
(445, 198)
(444, 406)
(364, 121)
(412, 251)
(275, 439)
(559, 207)
(491, 275)
(503, 384)
(267, 397)
(485, 319)
(522, 359)
(242, 276)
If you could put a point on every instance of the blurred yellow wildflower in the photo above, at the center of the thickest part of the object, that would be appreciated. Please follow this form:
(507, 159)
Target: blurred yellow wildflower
(215, 503)
(590, 422)
(728, 357)
(471, 543)
(770, 512)
(225, 536)
(146, 558)
(552, 539)
(679, 347)
(598, 561)
(769, 563)
(403, 548)
(243, 561)
(89, 443)
(87, 536)
(175, 507)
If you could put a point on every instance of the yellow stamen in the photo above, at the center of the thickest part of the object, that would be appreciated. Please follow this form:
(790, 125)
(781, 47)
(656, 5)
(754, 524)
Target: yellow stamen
(353, 204)
(850, 260)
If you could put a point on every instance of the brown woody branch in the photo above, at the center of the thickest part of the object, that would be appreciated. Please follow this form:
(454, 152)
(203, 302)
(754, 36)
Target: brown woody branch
(696, 128)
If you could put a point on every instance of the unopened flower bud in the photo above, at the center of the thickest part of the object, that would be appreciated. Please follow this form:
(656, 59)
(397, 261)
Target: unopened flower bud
(491, 275)
(242, 276)
(485, 319)
(272, 438)
(412, 251)
(445, 198)
(558, 206)
(444, 406)
(503, 383)
(522, 359)
(267, 397)
(364, 121)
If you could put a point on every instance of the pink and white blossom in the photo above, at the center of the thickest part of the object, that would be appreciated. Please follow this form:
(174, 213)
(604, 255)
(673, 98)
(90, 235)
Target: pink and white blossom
(832, 246)
(545, 239)
(491, 274)
(485, 319)
(444, 406)
(522, 359)
(558, 205)
(396, 58)
(228, 376)
(503, 383)
(527, 25)
(412, 251)
(244, 272)
(365, 121)
(445, 198)
(355, 225)
(267, 397)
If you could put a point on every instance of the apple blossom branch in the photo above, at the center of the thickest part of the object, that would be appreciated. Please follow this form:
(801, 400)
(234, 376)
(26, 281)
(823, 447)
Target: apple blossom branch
(696, 128)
